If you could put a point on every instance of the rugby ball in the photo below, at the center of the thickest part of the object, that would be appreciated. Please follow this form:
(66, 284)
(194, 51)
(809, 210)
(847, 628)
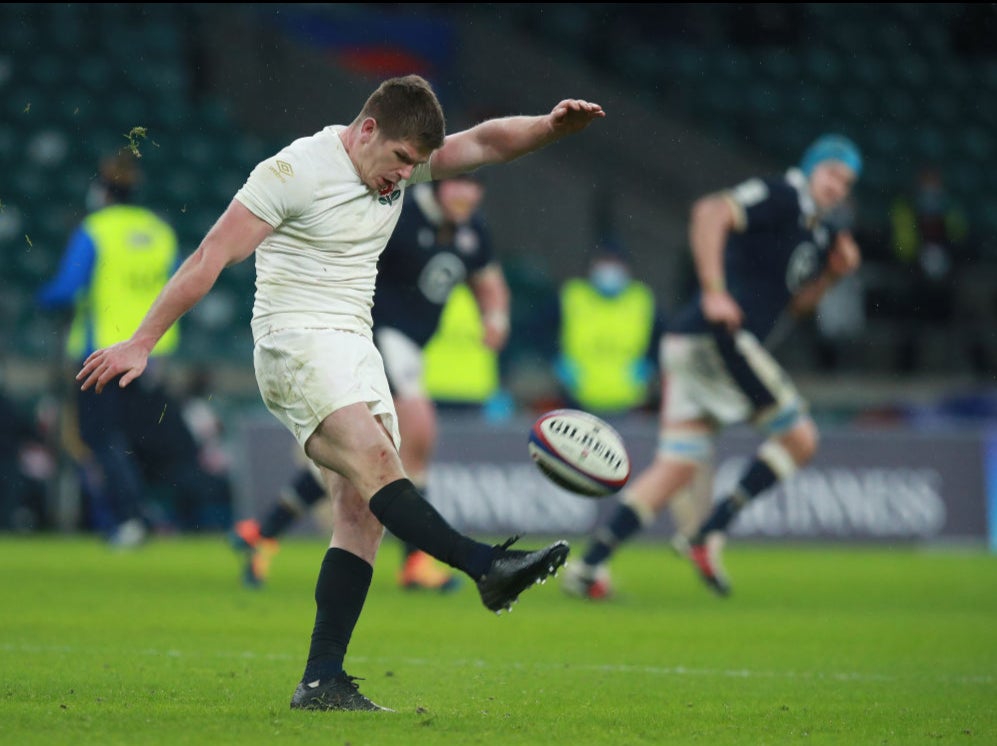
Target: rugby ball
(579, 452)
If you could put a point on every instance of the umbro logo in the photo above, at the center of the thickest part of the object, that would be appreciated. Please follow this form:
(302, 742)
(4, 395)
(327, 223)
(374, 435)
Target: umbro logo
(282, 169)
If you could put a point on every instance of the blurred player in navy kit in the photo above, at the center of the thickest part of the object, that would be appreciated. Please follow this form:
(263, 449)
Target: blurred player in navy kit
(762, 250)
(441, 241)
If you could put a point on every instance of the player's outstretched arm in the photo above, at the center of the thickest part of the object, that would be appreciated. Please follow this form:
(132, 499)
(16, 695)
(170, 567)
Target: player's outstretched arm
(491, 291)
(711, 222)
(504, 139)
(233, 238)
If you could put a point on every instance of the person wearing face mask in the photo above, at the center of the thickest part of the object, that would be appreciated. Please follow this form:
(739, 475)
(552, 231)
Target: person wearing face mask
(763, 250)
(608, 321)
(930, 241)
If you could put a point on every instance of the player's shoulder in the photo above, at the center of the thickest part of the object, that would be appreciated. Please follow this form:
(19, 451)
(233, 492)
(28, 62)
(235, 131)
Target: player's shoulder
(775, 183)
(309, 154)
(772, 189)
(299, 167)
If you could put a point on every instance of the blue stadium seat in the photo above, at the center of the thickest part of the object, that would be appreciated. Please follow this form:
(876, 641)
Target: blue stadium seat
(977, 143)
(912, 70)
(10, 141)
(822, 66)
(779, 65)
(646, 64)
(690, 63)
(20, 36)
(565, 23)
(95, 73)
(868, 69)
(965, 177)
(930, 143)
(70, 29)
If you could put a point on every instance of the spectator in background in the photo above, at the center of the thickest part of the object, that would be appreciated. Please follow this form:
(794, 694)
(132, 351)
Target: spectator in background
(930, 243)
(760, 248)
(608, 323)
(26, 463)
(115, 263)
(440, 250)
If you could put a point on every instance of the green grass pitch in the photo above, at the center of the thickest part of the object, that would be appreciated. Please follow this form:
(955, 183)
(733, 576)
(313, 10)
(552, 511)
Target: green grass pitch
(819, 644)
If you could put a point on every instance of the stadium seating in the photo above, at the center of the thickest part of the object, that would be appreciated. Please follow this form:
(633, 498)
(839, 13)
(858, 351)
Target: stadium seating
(873, 72)
(77, 78)
(76, 81)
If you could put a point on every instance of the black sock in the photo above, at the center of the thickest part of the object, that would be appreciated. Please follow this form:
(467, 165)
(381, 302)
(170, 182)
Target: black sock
(277, 520)
(624, 524)
(406, 514)
(308, 488)
(407, 546)
(305, 491)
(340, 592)
(758, 478)
(719, 519)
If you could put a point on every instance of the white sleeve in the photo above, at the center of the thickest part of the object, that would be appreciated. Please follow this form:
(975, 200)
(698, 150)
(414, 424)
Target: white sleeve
(420, 174)
(278, 188)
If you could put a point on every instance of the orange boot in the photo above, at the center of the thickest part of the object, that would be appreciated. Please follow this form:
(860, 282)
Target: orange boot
(257, 551)
(422, 572)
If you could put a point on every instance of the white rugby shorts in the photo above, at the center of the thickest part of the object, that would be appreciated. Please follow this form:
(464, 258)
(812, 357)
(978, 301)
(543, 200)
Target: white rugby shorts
(699, 385)
(402, 363)
(305, 375)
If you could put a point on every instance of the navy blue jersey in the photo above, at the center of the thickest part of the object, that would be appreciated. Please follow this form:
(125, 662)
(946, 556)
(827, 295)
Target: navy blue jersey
(777, 246)
(424, 260)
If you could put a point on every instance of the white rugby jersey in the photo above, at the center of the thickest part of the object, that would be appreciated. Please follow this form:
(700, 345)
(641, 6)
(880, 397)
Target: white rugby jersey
(317, 269)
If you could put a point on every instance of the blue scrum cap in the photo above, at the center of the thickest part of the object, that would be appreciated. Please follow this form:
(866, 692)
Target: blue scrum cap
(832, 147)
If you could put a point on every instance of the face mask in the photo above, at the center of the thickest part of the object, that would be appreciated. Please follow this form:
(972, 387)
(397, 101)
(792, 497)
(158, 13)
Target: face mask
(96, 197)
(930, 200)
(609, 279)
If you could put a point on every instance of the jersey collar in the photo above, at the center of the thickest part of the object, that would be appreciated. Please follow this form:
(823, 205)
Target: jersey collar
(798, 180)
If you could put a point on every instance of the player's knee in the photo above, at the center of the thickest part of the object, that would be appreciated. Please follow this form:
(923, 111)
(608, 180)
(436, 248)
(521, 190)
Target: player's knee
(810, 440)
(802, 441)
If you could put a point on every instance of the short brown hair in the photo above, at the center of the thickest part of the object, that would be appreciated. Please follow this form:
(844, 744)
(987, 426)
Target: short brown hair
(406, 108)
(120, 169)
(120, 174)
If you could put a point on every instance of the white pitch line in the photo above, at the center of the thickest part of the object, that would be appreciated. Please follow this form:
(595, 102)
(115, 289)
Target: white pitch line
(732, 673)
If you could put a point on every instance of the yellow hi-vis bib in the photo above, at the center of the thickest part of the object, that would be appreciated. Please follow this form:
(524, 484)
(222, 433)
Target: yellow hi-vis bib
(136, 252)
(457, 365)
(604, 339)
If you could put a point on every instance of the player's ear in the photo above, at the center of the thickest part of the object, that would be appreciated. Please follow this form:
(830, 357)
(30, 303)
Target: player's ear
(368, 129)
